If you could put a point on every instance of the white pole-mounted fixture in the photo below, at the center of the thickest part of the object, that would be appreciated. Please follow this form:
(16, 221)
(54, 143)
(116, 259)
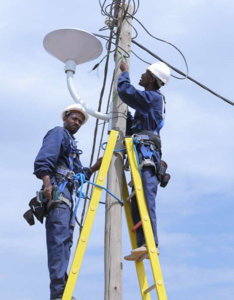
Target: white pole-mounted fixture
(73, 47)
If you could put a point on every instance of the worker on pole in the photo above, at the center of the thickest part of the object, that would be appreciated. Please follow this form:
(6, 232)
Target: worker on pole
(56, 162)
(145, 125)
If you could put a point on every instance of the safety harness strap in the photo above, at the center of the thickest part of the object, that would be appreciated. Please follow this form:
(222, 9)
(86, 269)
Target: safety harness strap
(146, 151)
(64, 172)
(146, 146)
(72, 155)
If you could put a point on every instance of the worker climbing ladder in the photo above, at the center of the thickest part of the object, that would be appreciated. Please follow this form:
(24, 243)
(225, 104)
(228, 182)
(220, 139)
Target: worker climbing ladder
(147, 228)
(91, 212)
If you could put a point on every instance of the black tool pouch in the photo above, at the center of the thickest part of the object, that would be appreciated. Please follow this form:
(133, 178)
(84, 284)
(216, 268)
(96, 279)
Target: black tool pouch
(37, 208)
(165, 180)
(163, 177)
(28, 215)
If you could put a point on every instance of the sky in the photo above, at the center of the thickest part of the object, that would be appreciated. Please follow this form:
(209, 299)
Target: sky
(194, 212)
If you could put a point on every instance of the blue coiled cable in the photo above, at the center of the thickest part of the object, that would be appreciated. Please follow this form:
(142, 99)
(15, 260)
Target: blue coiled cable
(80, 178)
(116, 150)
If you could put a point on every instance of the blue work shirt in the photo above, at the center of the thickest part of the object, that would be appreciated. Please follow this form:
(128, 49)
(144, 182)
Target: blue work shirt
(149, 105)
(55, 151)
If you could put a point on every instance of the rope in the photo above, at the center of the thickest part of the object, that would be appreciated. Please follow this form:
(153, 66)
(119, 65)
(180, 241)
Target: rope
(80, 178)
(86, 197)
(116, 150)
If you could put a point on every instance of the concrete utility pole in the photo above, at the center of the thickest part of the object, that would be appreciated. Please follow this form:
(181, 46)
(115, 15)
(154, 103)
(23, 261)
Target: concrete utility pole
(113, 225)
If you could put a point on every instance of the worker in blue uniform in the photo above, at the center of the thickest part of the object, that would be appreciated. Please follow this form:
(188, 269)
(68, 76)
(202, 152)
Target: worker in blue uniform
(149, 117)
(56, 161)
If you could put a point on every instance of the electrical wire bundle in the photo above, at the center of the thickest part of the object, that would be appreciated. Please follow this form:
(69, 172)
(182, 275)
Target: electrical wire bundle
(113, 19)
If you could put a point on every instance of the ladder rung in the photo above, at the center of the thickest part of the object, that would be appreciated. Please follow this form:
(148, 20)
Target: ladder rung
(136, 226)
(131, 196)
(149, 289)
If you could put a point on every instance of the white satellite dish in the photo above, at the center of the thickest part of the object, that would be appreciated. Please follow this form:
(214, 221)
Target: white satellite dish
(71, 43)
(73, 47)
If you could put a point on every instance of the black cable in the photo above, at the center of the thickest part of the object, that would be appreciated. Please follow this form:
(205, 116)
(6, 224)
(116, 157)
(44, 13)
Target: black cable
(161, 40)
(104, 12)
(96, 126)
(136, 32)
(126, 54)
(181, 73)
(140, 58)
(118, 112)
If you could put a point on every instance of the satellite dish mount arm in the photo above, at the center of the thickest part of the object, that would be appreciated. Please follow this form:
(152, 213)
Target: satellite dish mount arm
(70, 69)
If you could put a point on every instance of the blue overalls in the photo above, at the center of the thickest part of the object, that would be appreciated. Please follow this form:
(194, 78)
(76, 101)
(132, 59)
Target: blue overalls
(55, 152)
(149, 116)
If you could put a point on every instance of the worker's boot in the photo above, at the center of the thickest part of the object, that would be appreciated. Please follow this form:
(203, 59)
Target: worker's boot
(140, 251)
(131, 257)
(136, 253)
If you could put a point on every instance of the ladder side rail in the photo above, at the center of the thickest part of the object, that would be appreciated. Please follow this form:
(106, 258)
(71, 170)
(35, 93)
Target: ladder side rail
(91, 212)
(147, 228)
(139, 265)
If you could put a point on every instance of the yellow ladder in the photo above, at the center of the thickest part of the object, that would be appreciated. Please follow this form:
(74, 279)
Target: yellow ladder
(91, 212)
(147, 228)
(80, 250)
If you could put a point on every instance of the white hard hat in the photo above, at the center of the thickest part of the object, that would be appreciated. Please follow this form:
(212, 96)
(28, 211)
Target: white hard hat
(160, 71)
(76, 107)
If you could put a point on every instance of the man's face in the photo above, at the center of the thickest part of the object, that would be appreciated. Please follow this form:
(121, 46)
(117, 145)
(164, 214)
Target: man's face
(146, 79)
(73, 122)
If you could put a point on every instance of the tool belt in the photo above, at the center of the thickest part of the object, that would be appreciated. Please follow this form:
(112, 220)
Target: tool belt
(149, 136)
(49, 204)
(61, 178)
(148, 142)
(63, 172)
(40, 206)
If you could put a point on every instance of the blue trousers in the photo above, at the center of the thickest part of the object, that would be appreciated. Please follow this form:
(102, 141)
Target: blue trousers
(59, 238)
(150, 185)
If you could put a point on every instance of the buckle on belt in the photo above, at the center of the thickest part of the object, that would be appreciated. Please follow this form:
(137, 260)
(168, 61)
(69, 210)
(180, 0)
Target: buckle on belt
(144, 139)
(147, 162)
(141, 138)
(69, 175)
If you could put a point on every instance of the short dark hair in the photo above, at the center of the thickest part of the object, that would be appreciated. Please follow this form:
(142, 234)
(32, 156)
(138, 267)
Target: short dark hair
(156, 83)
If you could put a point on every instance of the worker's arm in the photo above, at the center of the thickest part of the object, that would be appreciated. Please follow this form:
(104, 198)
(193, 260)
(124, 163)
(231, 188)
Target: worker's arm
(48, 155)
(97, 165)
(47, 158)
(124, 67)
(87, 171)
(138, 100)
(47, 191)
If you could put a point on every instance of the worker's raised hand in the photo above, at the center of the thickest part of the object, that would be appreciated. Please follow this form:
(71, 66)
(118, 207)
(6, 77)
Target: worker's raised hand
(97, 165)
(124, 67)
(47, 191)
